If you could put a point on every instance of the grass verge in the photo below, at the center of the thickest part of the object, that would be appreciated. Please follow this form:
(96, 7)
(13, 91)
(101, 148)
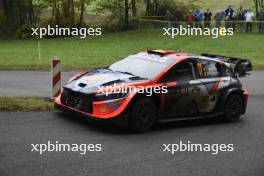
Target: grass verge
(8, 104)
(100, 51)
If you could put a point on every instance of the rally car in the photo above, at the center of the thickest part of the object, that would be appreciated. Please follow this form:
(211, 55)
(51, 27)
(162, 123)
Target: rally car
(159, 86)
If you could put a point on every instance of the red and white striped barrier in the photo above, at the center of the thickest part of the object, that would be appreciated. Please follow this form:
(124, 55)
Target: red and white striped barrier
(56, 77)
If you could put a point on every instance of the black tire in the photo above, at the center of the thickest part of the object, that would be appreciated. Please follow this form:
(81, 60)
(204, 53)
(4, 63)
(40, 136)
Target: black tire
(234, 108)
(143, 115)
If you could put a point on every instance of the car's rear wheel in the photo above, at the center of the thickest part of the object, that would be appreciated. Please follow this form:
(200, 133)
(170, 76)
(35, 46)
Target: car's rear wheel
(143, 115)
(234, 108)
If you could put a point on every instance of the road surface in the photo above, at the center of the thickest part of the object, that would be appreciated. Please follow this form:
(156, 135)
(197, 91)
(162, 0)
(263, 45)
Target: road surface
(126, 154)
(38, 84)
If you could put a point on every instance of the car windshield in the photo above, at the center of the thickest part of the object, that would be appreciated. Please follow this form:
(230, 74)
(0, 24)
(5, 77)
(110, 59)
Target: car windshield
(142, 65)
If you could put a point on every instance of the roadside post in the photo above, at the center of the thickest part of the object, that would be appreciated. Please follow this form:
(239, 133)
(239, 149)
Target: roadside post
(55, 78)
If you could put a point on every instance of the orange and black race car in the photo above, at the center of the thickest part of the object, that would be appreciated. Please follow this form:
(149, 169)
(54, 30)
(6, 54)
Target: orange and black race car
(157, 85)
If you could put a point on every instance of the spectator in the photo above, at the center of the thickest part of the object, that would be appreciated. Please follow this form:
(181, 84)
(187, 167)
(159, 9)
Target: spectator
(219, 16)
(190, 19)
(233, 21)
(260, 17)
(249, 19)
(178, 17)
(229, 14)
(241, 18)
(207, 19)
(198, 17)
(168, 17)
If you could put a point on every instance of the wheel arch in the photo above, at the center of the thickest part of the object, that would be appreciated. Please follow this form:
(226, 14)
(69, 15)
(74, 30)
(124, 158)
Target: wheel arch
(225, 96)
(155, 97)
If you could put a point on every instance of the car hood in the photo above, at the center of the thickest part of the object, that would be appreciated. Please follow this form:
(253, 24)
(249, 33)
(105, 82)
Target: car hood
(91, 81)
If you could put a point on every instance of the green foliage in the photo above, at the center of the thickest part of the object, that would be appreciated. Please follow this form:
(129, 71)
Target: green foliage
(112, 15)
(175, 5)
(111, 24)
(2, 16)
(24, 31)
(115, 10)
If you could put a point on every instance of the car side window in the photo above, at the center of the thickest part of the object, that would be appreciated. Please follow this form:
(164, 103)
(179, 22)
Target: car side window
(212, 68)
(225, 71)
(184, 70)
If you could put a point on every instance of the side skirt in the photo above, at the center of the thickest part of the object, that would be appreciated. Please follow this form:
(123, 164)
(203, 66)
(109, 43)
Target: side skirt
(189, 118)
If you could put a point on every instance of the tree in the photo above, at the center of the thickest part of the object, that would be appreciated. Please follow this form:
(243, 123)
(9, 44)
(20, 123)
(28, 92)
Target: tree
(71, 20)
(118, 10)
(68, 13)
(126, 14)
(56, 10)
(134, 8)
(155, 6)
(82, 4)
(18, 12)
(63, 12)
(5, 7)
(147, 7)
(151, 7)
(258, 4)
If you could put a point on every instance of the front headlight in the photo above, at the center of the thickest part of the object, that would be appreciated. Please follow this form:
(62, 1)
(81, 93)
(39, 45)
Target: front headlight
(112, 96)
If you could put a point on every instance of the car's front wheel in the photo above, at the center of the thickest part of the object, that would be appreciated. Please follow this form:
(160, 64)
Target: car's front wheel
(234, 108)
(143, 115)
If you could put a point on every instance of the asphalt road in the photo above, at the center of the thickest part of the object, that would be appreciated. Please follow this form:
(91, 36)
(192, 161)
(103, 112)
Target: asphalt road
(27, 83)
(126, 154)
(38, 84)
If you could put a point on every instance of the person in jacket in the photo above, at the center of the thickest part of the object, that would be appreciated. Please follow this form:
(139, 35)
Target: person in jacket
(198, 18)
(241, 18)
(249, 20)
(190, 19)
(207, 18)
(260, 17)
(168, 17)
(219, 16)
(229, 17)
(178, 18)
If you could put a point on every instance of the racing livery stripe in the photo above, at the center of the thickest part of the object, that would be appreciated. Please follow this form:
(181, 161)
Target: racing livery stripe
(215, 86)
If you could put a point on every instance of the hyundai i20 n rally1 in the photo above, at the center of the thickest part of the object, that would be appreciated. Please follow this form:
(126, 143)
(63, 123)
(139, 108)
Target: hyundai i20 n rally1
(159, 86)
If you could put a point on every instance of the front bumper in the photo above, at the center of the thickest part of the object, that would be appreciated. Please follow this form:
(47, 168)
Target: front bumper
(121, 119)
(100, 109)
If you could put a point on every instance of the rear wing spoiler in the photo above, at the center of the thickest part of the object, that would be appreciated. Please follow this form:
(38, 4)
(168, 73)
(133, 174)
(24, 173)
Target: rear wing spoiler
(242, 66)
